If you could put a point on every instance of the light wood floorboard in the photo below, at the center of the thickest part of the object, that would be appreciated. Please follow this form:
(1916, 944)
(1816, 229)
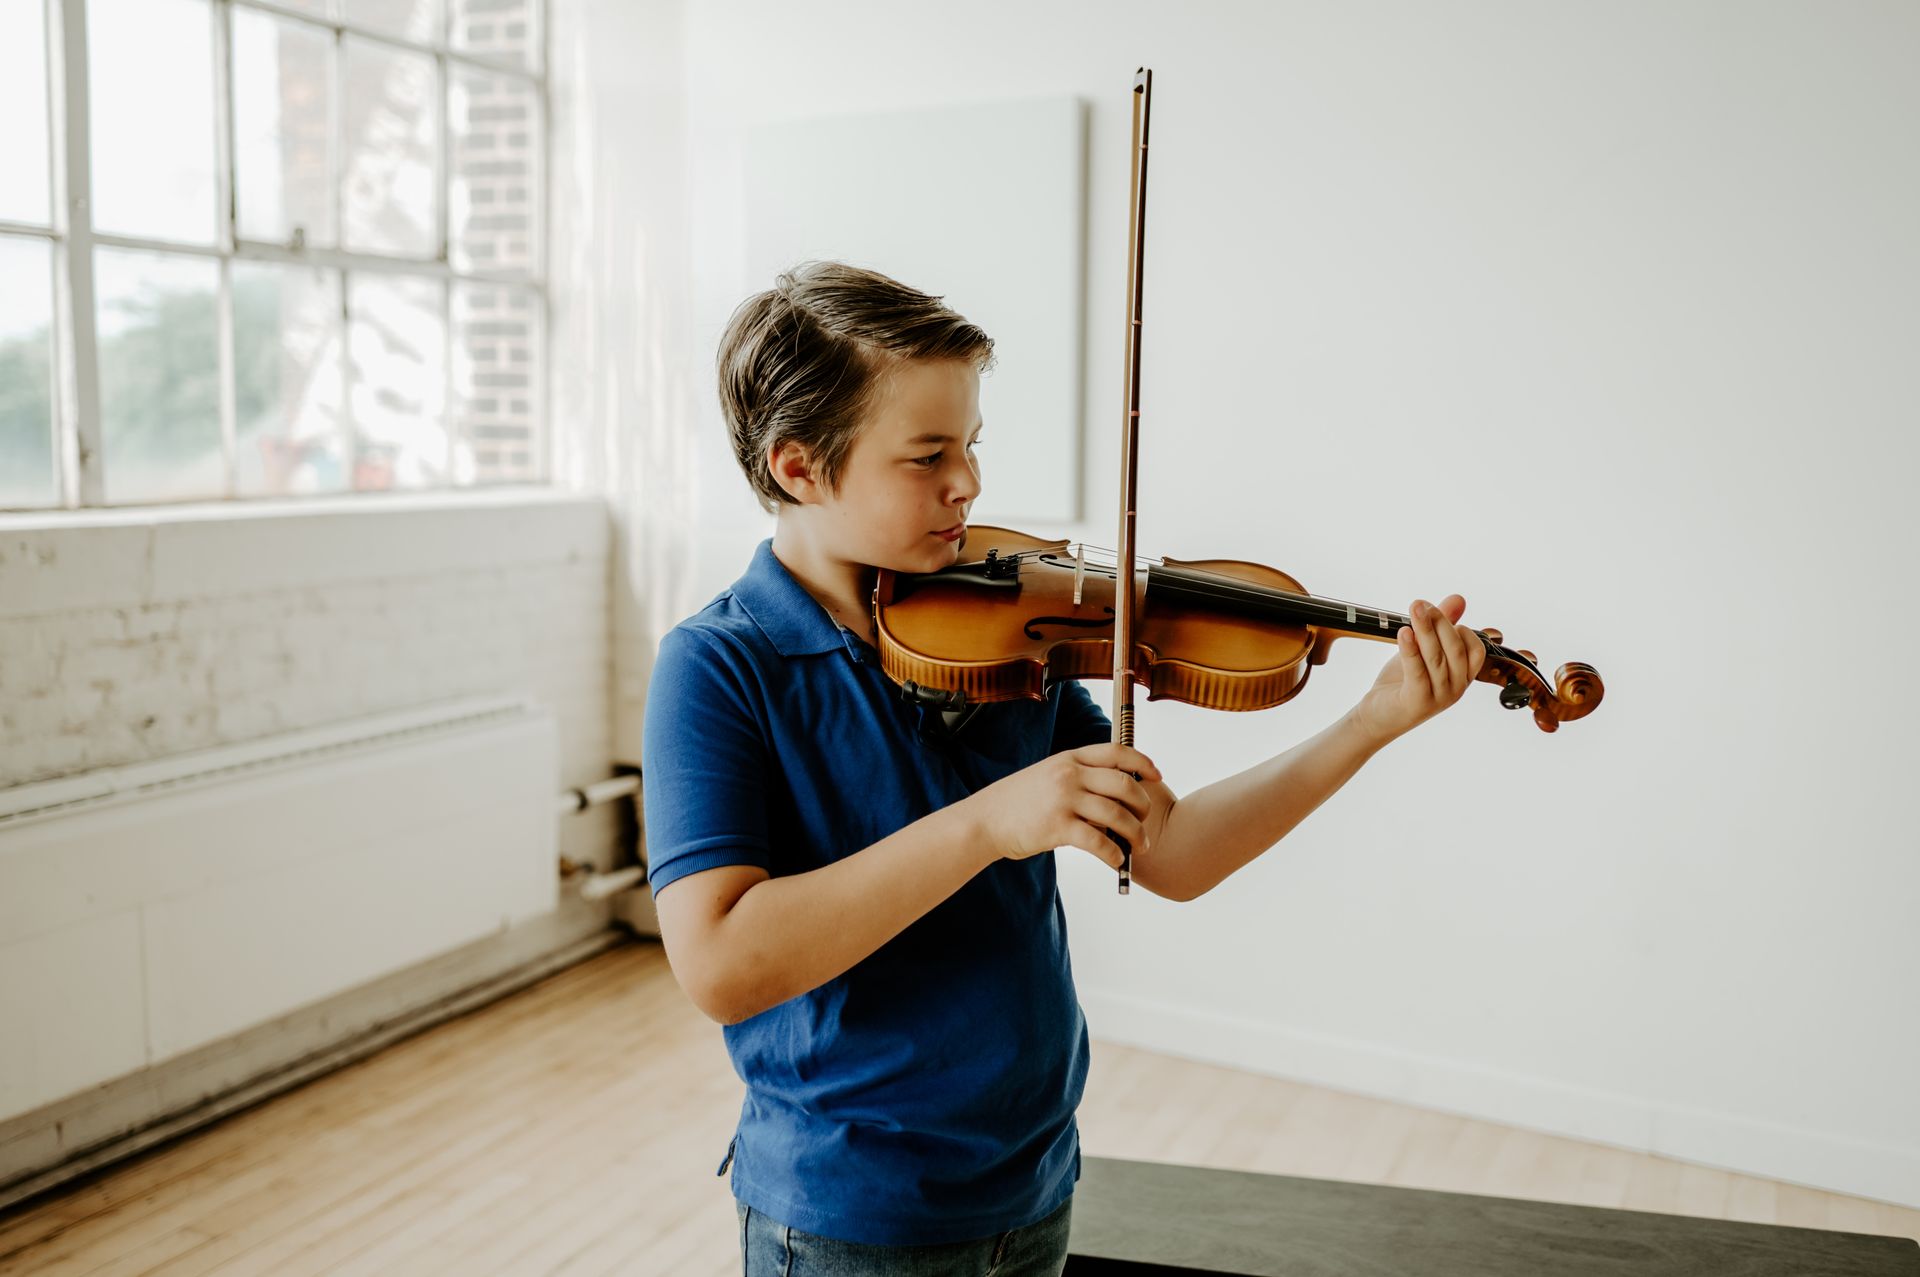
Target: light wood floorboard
(574, 1129)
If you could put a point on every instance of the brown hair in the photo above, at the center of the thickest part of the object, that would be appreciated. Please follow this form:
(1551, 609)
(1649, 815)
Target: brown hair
(803, 362)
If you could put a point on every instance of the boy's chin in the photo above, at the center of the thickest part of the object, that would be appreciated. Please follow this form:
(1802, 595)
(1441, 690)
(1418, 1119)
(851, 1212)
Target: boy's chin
(937, 552)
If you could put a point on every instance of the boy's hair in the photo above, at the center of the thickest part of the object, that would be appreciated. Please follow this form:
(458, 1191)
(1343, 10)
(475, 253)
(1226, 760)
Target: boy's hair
(804, 360)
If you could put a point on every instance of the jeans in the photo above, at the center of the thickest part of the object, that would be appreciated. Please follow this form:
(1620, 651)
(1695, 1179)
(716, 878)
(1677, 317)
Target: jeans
(771, 1249)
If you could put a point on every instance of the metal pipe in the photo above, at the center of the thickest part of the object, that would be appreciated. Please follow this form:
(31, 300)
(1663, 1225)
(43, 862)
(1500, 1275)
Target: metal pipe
(600, 791)
(592, 883)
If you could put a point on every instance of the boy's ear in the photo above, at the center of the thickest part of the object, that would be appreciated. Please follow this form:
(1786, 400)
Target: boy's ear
(793, 470)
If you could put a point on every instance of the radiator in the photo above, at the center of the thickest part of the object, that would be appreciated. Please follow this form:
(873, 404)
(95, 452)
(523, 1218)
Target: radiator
(149, 910)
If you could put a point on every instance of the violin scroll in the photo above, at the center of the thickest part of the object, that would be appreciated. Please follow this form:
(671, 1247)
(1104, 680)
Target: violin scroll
(1575, 692)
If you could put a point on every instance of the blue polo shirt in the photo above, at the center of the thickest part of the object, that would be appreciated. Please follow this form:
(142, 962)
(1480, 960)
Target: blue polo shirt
(928, 1094)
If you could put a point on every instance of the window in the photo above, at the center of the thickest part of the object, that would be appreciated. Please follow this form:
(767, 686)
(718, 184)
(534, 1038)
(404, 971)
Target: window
(269, 248)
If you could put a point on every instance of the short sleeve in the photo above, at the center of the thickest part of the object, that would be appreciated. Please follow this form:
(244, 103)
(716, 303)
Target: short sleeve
(703, 767)
(1078, 721)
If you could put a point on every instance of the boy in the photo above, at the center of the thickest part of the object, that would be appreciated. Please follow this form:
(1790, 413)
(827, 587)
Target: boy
(858, 887)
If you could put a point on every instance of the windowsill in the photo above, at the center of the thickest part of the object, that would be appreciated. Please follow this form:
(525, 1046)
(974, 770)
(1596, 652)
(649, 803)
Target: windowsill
(131, 556)
(492, 497)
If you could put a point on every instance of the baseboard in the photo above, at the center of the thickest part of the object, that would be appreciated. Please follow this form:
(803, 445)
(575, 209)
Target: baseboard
(44, 1149)
(1724, 1141)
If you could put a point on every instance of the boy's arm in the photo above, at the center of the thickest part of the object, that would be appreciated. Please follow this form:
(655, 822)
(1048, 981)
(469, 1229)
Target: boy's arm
(740, 949)
(1202, 838)
(1208, 834)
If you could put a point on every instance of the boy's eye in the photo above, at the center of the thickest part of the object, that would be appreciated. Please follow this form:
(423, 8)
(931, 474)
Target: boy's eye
(929, 460)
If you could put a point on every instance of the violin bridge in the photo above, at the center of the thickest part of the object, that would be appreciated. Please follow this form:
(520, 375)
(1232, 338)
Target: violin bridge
(1079, 569)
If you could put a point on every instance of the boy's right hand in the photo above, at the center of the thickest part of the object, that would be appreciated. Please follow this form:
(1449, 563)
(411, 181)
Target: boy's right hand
(1070, 799)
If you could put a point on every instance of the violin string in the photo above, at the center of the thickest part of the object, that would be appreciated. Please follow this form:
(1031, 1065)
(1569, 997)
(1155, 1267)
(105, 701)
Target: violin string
(1227, 585)
(1236, 584)
(1234, 587)
(1230, 587)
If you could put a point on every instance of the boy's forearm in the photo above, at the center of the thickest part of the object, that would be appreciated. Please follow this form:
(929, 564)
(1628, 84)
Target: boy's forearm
(790, 935)
(1213, 831)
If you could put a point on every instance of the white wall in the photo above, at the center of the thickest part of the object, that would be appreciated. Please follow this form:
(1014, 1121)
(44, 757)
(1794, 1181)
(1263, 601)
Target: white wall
(1600, 315)
(625, 373)
(136, 634)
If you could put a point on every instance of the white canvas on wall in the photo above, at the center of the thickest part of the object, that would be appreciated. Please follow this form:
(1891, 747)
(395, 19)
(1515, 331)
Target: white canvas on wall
(980, 204)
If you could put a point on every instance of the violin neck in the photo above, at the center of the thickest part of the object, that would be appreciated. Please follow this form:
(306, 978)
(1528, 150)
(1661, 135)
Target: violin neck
(1243, 598)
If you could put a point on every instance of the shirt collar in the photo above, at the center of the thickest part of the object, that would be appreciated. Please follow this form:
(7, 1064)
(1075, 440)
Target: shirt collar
(792, 619)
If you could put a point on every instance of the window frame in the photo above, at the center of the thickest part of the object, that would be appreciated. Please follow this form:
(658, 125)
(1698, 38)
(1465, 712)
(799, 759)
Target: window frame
(78, 450)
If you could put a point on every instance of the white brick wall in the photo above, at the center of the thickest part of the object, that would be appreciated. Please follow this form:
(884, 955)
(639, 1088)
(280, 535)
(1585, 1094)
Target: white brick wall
(126, 638)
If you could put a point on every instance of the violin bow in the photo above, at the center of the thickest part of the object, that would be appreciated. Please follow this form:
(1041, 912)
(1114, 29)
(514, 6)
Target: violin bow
(1129, 448)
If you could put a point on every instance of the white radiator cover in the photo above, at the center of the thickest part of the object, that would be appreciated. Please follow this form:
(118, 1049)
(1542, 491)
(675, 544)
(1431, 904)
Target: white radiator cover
(149, 910)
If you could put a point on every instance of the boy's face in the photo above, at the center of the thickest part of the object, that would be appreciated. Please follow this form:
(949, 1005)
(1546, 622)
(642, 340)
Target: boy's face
(911, 473)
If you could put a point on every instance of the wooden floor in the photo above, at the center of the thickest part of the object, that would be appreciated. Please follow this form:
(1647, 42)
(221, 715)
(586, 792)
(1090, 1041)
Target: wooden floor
(575, 1128)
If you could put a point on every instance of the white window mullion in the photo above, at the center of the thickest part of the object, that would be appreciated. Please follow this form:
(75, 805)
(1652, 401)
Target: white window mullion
(107, 239)
(83, 477)
(542, 394)
(226, 179)
(539, 204)
(337, 174)
(53, 60)
(27, 228)
(442, 174)
(224, 185)
(446, 380)
(337, 133)
(442, 193)
(223, 323)
(542, 258)
(60, 370)
(348, 457)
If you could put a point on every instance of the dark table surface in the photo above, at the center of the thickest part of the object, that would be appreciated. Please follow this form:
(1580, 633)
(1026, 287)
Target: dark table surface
(1132, 1218)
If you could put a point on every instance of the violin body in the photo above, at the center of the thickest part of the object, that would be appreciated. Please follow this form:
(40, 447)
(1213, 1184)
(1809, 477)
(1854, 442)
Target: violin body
(1018, 612)
(961, 631)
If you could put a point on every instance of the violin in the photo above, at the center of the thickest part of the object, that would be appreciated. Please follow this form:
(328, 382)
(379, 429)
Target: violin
(1017, 612)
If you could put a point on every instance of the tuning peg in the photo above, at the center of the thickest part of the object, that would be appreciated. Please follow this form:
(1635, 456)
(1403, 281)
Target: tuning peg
(1493, 634)
(1525, 655)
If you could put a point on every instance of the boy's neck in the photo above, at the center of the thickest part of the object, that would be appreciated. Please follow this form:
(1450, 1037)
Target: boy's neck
(843, 588)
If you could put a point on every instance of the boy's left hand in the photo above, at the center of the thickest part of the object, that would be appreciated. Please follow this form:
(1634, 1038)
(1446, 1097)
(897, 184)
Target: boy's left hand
(1437, 660)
